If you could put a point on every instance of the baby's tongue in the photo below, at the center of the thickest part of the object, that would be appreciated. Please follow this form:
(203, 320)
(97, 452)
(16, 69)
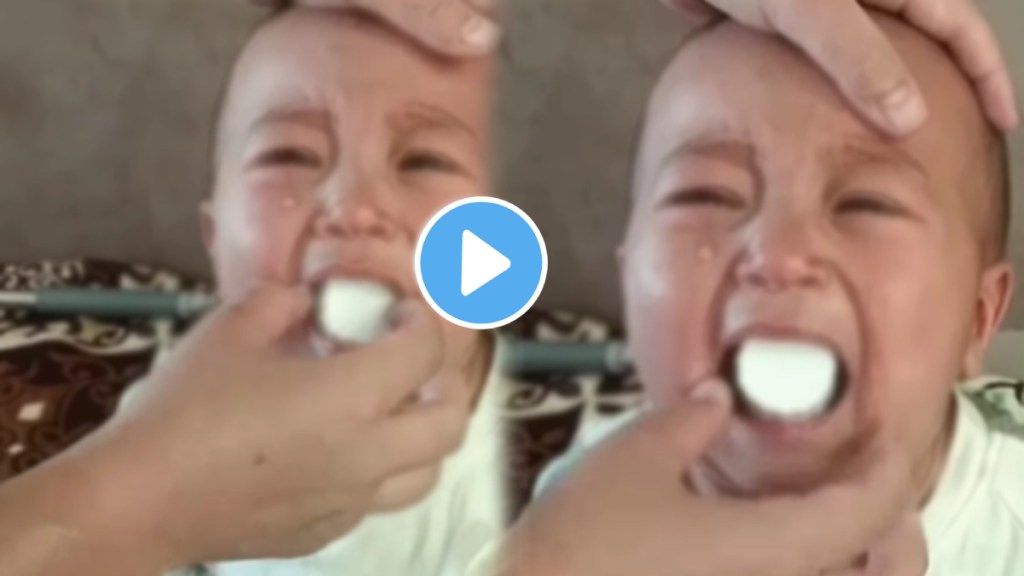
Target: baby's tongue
(786, 379)
(354, 311)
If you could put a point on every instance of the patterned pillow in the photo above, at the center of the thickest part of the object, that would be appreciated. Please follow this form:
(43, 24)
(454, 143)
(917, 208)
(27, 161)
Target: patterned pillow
(61, 377)
(545, 414)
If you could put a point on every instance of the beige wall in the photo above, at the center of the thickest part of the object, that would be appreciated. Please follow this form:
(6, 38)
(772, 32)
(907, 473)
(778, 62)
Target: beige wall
(1005, 356)
(106, 108)
(105, 114)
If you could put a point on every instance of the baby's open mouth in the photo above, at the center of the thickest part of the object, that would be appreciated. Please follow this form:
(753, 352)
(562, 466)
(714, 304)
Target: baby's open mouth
(789, 380)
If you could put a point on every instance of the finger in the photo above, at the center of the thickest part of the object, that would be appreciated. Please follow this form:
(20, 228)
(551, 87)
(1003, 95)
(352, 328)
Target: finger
(904, 552)
(961, 26)
(313, 537)
(674, 437)
(271, 312)
(488, 7)
(901, 552)
(390, 370)
(845, 42)
(406, 489)
(417, 437)
(448, 26)
(998, 98)
(805, 537)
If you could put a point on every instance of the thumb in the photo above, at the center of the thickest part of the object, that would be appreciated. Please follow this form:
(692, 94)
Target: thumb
(678, 435)
(399, 363)
(903, 552)
(450, 27)
(273, 310)
(845, 42)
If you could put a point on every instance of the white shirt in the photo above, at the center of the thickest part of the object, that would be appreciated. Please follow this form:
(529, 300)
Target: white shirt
(974, 522)
(443, 535)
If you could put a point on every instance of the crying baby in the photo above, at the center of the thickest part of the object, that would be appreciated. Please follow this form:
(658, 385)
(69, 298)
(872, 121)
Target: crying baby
(839, 279)
(338, 139)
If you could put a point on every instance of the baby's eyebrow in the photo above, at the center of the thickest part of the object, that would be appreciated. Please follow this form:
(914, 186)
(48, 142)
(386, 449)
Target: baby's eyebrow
(317, 119)
(870, 152)
(418, 116)
(736, 152)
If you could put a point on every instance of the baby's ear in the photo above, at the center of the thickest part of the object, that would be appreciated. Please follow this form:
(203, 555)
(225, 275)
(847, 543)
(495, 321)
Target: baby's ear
(992, 306)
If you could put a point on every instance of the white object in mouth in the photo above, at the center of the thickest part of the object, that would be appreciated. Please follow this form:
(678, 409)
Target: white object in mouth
(786, 379)
(355, 311)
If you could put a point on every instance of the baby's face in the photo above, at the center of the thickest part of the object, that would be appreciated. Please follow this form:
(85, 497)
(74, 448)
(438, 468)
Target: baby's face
(338, 143)
(763, 205)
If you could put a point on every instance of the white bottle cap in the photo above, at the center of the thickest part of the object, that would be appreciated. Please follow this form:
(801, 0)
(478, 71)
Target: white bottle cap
(786, 379)
(355, 311)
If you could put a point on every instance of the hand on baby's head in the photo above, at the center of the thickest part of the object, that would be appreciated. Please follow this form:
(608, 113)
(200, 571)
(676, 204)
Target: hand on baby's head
(455, 27)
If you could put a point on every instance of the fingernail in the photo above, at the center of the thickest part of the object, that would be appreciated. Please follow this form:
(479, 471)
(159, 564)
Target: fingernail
(904, 109)
(481, 33)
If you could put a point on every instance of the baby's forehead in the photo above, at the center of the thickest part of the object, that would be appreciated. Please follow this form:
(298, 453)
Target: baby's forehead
(307, 50)
(325, 59)
(732, 83)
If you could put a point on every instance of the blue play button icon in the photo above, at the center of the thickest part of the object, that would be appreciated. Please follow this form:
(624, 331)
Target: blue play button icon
(481, 262)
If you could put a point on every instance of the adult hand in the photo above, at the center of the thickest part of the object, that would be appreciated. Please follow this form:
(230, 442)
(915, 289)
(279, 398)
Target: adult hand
(840, 36)
(626, 505)
(248, 452)
(452, 27)
(901, 552)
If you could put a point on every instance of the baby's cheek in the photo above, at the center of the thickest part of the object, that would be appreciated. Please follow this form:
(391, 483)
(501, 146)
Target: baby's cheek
(261, 237)
(671, 289)
(913, 335)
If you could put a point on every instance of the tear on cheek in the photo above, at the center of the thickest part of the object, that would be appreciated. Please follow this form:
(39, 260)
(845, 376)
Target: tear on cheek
(289, 201)
(706, 252)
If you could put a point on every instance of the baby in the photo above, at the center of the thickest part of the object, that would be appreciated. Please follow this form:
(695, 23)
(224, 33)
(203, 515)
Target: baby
(337, 142)
(764, 207)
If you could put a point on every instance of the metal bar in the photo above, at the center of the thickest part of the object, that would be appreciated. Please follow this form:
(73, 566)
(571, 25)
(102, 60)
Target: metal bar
(523, 357)
(119, 303)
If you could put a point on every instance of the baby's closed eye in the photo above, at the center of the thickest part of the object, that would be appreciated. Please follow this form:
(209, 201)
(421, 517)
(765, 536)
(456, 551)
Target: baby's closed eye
(288, 156)
(705, 197)
(866, 203)
(428, 161)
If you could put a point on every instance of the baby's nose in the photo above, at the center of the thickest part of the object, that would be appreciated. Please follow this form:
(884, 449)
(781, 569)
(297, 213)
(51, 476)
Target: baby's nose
(782, 254)
(353, 213)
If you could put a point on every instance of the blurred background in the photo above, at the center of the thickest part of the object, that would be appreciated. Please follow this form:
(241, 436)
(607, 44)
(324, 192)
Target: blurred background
(106, 109)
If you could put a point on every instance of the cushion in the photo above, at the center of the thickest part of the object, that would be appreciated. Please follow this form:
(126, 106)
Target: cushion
(62, 377)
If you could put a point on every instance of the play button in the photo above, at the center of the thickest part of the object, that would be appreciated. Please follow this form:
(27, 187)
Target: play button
(481, 262)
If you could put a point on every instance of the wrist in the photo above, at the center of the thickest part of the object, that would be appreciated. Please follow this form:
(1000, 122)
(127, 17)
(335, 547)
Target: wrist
(524, 554)
(56, 519)
(107, 495)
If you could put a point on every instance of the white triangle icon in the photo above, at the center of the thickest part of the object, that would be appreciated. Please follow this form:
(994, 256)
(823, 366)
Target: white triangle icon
(481, 263)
